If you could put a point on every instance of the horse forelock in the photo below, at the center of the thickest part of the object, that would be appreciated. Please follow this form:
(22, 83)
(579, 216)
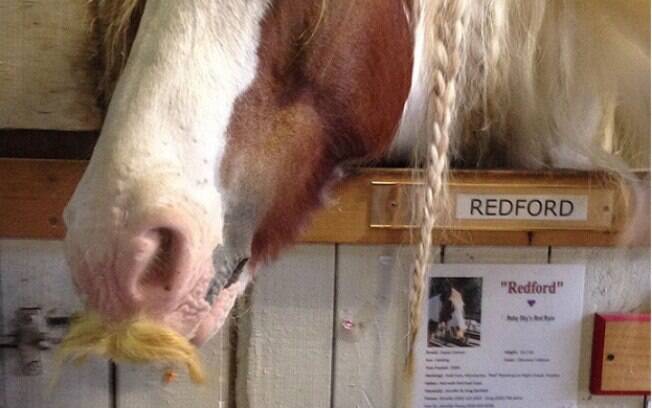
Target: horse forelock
(113, 28)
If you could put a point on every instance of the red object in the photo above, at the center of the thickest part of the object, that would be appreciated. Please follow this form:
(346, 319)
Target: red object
(598, 353)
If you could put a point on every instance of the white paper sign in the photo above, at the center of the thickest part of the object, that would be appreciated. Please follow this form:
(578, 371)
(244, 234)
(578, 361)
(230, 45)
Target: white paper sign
(521, 207)
(500, 336)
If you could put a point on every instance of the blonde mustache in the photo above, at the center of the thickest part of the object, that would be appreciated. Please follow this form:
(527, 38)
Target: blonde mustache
(137, 340)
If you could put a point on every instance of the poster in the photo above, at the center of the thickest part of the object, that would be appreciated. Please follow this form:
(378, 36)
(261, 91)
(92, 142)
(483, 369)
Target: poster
(500, 336)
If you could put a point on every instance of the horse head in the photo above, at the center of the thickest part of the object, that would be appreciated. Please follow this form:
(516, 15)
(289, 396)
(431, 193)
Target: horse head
(226, 124)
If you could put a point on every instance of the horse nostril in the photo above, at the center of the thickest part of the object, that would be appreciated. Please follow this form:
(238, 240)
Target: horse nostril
(162, 267)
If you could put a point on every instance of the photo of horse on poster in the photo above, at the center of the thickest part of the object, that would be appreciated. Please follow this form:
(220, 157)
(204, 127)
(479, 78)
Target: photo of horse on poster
(454, 312)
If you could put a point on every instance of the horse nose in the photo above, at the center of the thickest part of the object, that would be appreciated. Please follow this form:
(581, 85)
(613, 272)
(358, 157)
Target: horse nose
(153, 263)
(144, 246)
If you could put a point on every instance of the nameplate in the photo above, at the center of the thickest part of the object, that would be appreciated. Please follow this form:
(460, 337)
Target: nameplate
(511, 206)
(521, 207)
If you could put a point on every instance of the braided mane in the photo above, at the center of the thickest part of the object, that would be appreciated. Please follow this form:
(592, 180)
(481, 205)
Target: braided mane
(439, 29)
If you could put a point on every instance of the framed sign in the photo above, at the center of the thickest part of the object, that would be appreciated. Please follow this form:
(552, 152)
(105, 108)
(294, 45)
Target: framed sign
(500, 336)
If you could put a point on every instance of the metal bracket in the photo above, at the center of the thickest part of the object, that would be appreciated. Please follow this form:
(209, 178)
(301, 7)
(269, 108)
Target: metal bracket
(31, 337)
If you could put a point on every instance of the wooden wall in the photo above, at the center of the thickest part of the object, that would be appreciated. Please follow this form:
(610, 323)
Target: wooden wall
(292, 348)
(45, 80)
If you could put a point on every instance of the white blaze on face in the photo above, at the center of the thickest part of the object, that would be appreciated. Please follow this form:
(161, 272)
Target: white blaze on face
(164, 136)
(458, 322)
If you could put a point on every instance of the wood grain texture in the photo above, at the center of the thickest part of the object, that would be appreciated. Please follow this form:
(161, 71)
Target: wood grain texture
(617, 280)
(44, 76)
(371, 325)
(286, 333)
(34, 274)
(35, 192)
(629, 343)
(351, 202)
(625, 358)
(141, 386)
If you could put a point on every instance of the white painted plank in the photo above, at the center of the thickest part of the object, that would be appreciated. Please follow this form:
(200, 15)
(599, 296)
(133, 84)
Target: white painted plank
(617, 280)
(44, 77)
(371, 325)
(141, 386)
(495, 255)
(286, 333)
(34, 274)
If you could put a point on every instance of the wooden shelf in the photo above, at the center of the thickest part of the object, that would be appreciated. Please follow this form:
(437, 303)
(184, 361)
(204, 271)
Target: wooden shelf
(370, 207)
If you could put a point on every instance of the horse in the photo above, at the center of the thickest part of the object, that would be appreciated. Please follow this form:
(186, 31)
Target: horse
(446, 316)
(227, 120)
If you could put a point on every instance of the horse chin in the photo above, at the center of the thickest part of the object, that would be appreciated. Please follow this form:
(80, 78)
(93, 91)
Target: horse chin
(460, 335)
(186, 317)
(223, 303)
(195, 318)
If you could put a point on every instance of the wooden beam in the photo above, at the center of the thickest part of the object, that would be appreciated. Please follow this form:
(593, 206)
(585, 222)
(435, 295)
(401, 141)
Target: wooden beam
(47, 144)
(33, 194)
(45, 77)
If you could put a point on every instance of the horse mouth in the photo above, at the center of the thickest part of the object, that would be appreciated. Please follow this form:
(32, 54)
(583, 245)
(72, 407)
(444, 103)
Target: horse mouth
(223, 281)
(236, 272)
(222, 300)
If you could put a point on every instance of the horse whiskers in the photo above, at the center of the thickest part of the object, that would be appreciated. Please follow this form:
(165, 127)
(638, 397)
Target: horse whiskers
(137, 340)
